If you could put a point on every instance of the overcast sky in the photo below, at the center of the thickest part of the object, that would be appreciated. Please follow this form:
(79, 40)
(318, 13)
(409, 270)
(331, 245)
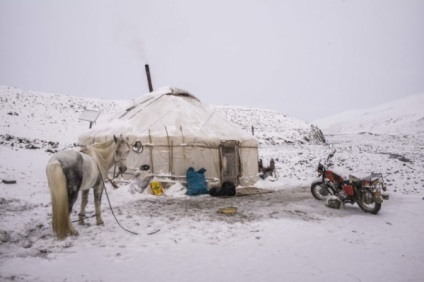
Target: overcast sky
(304, 58)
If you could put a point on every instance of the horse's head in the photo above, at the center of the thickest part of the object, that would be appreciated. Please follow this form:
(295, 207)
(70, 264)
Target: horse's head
(121, 153)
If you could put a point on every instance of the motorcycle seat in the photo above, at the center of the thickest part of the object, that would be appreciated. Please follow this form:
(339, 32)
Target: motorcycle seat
(353, 178)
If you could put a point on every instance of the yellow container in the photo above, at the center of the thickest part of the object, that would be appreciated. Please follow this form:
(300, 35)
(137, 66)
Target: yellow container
(156, 188)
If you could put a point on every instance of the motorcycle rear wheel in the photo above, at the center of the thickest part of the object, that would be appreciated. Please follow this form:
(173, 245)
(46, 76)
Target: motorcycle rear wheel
(372, 207)
(321, 191)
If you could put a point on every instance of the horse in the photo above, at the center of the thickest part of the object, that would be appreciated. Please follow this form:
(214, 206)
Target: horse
(70, 171)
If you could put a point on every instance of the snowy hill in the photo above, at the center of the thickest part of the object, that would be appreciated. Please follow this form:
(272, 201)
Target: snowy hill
(56, 118)
(403, 116)
(272, 127)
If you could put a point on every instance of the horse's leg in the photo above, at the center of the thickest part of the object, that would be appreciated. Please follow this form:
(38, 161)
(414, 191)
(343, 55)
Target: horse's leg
(98, 190)
(72, 230)
(73, 196)
(84, 200)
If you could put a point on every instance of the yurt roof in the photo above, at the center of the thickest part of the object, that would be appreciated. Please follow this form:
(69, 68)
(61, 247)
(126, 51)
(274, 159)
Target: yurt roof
(170, 113)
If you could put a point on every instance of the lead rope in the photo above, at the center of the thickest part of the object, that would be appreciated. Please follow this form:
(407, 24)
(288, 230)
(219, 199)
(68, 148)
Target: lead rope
(110, 205)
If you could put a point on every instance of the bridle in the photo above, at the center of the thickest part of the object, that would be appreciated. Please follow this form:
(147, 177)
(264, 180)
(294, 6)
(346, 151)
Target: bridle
(115, 162)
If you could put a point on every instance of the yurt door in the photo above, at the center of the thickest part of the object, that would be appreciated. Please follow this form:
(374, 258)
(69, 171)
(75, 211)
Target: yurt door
(229, 161)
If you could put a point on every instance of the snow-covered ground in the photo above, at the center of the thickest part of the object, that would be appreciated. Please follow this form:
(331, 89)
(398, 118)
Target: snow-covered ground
(286, 235)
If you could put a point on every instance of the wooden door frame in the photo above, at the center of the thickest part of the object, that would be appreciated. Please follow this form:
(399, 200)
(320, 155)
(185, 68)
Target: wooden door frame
(235, 145)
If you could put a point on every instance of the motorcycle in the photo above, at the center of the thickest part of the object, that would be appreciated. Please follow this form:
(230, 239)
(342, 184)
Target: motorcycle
(366, 192)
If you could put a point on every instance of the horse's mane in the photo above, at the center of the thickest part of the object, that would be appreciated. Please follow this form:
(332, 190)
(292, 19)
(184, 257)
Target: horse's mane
(102, 149)
(102, 152)
(102, 145)
(97, 152)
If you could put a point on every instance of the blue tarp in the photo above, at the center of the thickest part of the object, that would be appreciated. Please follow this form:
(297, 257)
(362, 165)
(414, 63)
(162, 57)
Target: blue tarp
(196, 182)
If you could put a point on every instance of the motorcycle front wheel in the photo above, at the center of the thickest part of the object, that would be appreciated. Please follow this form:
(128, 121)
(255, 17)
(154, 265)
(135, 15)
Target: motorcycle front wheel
(321, 191)
(367, 203)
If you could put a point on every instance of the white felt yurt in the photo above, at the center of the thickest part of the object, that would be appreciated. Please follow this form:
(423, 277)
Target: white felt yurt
(176, 131)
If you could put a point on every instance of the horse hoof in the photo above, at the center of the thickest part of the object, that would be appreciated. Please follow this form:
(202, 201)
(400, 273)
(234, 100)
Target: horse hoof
(100, 223)
(81, 222)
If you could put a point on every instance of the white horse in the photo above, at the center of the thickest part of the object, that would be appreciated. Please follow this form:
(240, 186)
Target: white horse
(69, 172)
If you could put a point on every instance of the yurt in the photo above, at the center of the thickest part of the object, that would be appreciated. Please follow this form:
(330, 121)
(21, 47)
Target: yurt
(173, 131)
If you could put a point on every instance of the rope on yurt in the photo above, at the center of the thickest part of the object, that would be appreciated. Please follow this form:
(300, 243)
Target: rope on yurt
(146, 105)
(184, 145)
(207, 120)
(169, 151)
(151, 153)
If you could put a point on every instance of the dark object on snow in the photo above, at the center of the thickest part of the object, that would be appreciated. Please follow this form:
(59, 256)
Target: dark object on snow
(334, 202)
(196, 182)
(260, 165)
(227, 189)
(31, 147)
(9, 181)
(4, 236)
(266, 171)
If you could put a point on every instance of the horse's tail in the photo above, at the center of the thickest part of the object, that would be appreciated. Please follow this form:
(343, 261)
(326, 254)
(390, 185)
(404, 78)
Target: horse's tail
(57, 184)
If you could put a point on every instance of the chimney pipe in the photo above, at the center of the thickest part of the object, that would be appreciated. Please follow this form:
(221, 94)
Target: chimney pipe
(149, 80)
